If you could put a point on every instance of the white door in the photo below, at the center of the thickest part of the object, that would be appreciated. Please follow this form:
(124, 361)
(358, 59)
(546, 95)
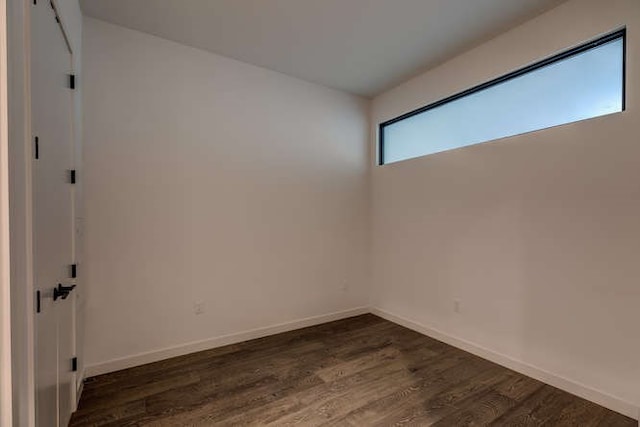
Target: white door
(52, 127)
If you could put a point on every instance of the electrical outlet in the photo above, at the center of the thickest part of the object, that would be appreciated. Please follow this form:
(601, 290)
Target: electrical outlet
(198, 308)
(456, 306)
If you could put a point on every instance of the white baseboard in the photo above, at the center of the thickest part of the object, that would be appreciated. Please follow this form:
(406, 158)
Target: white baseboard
(79, 386)
(180, 350)
(601, 398)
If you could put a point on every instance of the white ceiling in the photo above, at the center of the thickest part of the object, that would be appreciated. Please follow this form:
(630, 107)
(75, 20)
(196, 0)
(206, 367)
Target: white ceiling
(359, 46)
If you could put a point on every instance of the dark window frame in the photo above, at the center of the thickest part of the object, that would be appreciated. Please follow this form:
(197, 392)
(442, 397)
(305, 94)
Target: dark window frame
(619, 34)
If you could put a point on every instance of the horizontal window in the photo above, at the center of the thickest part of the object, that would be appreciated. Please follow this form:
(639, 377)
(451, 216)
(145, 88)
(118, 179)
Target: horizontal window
(581, 83)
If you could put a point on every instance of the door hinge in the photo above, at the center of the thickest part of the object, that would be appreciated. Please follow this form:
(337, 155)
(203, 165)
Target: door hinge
(74, 364)
(72, 176)
(36, 148)
(74, 271)
(72, 81)
(37, 301)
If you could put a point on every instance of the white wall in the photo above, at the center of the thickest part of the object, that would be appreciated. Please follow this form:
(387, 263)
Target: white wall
(536, 235)
(210, 180)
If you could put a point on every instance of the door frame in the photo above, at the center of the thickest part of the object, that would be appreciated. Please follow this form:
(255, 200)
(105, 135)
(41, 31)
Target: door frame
(20, 155)
(20, 213)
(6, 414)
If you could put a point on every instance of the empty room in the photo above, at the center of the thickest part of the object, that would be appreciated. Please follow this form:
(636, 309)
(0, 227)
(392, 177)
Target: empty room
(319, 213)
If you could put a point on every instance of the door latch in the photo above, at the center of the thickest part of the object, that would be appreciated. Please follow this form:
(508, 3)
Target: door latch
(62, 291)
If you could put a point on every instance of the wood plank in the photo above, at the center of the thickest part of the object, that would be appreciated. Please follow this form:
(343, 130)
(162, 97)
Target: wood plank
(538, 409)
(480, 412)
(427, 408)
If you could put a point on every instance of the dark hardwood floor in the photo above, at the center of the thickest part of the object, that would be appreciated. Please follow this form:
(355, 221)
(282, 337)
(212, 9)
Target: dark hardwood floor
(362, 371)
